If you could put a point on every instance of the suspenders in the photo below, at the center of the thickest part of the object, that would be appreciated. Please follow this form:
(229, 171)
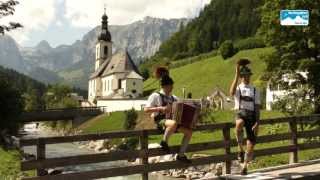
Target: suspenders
(246, 98)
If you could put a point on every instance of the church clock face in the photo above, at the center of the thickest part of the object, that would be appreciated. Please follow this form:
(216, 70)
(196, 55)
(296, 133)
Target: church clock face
(104, 31)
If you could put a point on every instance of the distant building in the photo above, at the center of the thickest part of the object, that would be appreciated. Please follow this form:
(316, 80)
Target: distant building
(115, 76)
(276, 91)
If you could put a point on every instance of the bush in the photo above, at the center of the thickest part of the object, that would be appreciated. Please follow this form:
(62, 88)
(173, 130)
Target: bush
(227, 49)
(250, 43)
(182, 55)
(131, 119)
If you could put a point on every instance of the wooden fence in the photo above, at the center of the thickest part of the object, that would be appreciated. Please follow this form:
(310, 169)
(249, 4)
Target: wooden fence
(61, 114)
(143, 153)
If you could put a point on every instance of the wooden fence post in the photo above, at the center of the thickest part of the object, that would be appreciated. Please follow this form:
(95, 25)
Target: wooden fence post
(226, 137)
(41, 154)
(144, 146)
(293, 157)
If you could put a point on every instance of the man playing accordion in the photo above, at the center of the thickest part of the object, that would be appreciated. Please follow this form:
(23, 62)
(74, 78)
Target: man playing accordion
(160, 106)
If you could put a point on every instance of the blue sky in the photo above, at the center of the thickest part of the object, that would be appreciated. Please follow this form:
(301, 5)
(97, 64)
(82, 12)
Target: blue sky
(65, 21)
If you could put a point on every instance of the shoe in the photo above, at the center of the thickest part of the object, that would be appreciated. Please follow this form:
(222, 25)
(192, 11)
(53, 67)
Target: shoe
(241, 157)
(165, 147)
(183, 159)
(244, 171)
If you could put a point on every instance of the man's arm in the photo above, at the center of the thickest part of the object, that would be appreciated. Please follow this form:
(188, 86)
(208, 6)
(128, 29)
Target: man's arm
(235, 82)
(155, 109)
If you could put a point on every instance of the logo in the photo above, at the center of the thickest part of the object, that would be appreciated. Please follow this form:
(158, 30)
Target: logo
(294, 17)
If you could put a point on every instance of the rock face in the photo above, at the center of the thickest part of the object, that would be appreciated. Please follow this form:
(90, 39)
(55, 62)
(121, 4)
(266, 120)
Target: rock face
(142, 39)
(75, 62)
(10, 56)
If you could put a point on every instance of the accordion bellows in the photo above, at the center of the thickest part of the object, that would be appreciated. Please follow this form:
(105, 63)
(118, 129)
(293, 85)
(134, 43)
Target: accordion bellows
(186, 112)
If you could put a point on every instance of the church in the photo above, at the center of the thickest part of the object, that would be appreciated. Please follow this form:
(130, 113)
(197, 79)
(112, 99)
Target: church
(115, 76)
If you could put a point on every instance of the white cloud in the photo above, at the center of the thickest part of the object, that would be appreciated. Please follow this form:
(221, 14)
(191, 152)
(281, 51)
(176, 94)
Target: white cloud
(34, 15)
(87, 13)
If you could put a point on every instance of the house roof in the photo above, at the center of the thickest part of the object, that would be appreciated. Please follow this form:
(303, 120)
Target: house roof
(120, 62)
(100, 70)
(134, 75)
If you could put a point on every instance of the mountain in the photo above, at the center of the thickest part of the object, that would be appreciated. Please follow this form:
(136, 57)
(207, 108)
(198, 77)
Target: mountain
(10, 56)
(142, 39)
(219, 21)
(73, 63)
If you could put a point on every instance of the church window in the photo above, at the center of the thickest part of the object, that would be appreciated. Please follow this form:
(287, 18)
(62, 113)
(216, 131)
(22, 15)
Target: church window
(134, 83)
(106, 51)
(134, 91)
(119, 84)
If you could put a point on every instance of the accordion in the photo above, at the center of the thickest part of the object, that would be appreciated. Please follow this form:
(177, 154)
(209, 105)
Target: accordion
(186, 112)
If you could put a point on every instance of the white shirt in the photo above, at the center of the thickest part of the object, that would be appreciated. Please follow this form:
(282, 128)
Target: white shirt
(155, 100)
(246, 90)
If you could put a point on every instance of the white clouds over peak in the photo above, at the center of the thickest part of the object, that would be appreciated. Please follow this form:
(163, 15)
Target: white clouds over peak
(86, 13)
(34, 15)
(60, 18)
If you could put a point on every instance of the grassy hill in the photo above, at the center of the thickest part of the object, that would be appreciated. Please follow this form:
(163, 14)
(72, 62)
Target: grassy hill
(204, 76)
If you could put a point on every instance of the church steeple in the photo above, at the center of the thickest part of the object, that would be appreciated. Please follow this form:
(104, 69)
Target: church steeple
(105, 34)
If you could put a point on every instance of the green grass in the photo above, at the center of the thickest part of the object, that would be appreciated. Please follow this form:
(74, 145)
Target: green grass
(203, 77)
(104, 123)
(10, 165)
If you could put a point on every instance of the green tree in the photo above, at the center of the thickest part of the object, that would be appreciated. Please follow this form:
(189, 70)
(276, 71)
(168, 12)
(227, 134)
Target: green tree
(11, 103)
(227, 50)
(297, 48)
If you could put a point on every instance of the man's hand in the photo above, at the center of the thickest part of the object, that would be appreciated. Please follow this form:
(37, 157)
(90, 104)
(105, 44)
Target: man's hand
(162, 109)
(237, 69)
(255, 128)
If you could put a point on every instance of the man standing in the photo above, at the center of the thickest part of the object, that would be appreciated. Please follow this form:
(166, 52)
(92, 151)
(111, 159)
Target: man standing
(247, 104)
(160, 106)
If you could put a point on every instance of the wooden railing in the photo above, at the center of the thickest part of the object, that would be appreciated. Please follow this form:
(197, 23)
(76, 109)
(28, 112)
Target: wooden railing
(61, 114)
(143, 153)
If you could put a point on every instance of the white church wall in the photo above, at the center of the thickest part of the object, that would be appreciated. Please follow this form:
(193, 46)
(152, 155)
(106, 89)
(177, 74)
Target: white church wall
(133, 84)
(108, 85)
(122, 105)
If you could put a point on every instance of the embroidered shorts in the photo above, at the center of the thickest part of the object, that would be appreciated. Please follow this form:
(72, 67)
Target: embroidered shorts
(249, 118)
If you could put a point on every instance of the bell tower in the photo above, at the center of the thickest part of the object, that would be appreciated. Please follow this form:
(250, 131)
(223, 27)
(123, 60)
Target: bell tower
(104, 44)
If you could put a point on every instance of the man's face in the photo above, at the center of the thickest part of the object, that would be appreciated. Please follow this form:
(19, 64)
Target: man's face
(246, 79)
(167, 88)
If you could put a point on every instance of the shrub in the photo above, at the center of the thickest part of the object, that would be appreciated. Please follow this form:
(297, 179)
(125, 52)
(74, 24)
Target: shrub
(250, 43)
(131, 119)
(227, 49)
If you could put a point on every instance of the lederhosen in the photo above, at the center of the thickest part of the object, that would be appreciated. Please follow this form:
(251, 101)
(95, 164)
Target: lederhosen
(160, 118)
(249, 117)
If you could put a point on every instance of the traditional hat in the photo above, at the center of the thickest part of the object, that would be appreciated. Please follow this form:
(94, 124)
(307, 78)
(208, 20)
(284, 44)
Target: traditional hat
(166, 80)
(245, 71)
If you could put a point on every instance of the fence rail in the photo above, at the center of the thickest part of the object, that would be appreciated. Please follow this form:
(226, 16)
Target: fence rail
(143, 153)
(61, 114)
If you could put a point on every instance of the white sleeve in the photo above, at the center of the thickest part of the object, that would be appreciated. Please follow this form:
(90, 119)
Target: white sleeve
(152, 100)
(257, 97)
(175, 98)
(237, 95)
